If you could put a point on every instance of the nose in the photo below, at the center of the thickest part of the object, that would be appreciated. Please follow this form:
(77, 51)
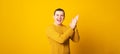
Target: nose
(59, 16)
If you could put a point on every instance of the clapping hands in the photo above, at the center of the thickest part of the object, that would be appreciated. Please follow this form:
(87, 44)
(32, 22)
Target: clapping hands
(74, 22)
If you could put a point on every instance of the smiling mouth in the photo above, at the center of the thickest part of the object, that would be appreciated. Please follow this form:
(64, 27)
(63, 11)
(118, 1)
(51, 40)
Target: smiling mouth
(59, 20)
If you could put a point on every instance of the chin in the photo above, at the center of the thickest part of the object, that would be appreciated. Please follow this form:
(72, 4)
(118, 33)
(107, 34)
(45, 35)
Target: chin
(59, 23)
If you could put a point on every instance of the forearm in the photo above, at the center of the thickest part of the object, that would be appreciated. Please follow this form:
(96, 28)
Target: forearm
(61, 38)
(75, 36)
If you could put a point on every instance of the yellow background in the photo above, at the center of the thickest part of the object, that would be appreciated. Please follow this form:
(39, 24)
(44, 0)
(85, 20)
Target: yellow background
(23, 24)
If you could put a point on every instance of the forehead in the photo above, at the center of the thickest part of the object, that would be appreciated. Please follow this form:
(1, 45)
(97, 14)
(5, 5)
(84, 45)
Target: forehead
(59, 12)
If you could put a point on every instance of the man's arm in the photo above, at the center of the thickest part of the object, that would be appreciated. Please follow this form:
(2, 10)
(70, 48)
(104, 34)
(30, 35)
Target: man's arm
(75, 36)
(61, 38)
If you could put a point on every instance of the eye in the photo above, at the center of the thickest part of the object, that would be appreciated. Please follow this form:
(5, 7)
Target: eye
(61, 15)
(57, 14)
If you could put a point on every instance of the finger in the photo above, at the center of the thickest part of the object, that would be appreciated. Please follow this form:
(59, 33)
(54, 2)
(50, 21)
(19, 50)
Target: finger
(77, 17)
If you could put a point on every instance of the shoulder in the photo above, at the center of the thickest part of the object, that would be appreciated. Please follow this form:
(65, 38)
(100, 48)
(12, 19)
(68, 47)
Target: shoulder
(65, 27)
(50, 27)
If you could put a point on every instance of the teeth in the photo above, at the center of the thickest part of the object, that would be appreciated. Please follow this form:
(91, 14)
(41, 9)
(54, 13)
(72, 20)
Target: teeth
(59, 20)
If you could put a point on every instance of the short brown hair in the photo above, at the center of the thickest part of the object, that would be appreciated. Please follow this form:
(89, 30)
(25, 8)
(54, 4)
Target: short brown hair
(59, 9)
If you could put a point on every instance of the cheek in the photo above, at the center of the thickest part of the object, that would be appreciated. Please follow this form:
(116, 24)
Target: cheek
(62, 18)
(55, 17)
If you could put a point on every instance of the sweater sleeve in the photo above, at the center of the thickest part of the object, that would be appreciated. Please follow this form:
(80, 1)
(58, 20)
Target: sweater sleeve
(61, 38)
(75, 36)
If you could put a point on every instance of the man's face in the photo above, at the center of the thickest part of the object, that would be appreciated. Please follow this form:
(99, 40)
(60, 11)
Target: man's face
(58, 17)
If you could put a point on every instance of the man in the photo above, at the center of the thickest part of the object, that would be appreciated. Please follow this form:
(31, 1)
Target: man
(59, 35)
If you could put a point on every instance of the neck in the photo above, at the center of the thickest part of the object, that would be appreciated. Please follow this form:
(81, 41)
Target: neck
(57, 24)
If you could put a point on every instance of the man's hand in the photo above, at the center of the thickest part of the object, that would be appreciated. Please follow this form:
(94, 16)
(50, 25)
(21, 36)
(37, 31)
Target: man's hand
(74, 22)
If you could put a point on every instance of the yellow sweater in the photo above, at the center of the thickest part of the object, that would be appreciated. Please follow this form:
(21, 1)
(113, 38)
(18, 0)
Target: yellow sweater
(59, 38)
